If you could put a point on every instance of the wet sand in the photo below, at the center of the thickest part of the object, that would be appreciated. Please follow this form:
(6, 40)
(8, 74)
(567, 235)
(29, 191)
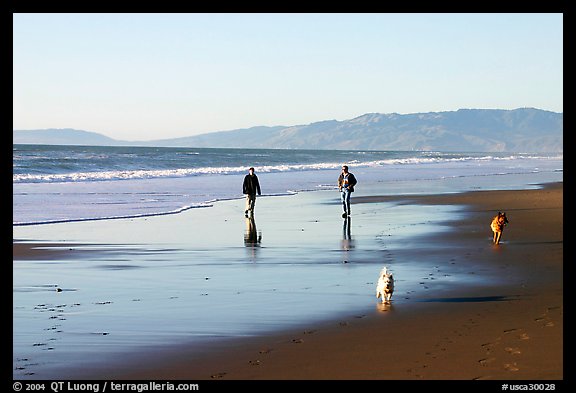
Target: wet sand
(508, 328)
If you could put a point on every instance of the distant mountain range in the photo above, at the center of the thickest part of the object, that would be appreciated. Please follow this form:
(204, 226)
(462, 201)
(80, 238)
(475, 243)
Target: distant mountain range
(489, 130)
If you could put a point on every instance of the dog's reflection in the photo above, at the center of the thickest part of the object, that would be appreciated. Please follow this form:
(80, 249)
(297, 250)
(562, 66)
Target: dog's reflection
(383, 307)
(252, 238)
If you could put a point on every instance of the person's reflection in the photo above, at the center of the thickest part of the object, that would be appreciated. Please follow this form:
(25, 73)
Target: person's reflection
(347, 243)
(252, 238)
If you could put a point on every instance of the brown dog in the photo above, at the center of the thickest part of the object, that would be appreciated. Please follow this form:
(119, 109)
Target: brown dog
(497, 225)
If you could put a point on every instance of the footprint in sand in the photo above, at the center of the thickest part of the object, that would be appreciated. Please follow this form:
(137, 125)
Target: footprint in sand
(265, 351)
(217, 375)
(511, 366)
(485, 362)
(254, 362)
(513, 351)
(488, 347)
(297, 341)
(544, 319)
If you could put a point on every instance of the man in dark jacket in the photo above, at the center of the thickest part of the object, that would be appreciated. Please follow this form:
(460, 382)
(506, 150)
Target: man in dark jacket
(250, 187)
(346, 183)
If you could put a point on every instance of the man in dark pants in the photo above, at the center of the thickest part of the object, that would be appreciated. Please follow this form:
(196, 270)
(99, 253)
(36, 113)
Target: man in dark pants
(346, 183)
(250, 187)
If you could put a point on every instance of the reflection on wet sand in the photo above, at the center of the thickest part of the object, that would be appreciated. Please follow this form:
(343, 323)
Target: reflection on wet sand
(383, 307)
(252, 238)
(347, 243)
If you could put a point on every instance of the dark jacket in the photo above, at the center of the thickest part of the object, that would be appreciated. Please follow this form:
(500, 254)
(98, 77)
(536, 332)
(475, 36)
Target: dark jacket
(251, 185)
(351, 181)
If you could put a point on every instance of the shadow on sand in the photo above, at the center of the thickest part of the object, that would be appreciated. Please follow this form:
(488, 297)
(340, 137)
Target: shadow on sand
(470, 299)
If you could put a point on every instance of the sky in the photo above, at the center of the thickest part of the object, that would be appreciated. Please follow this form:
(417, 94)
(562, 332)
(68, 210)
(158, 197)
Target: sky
(154, 76)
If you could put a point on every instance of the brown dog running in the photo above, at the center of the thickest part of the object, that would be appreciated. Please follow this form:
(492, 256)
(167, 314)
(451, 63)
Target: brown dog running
(497, 225)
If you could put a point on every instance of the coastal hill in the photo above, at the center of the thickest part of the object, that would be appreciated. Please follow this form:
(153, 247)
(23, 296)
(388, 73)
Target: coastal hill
(62, 136)
(489, 130)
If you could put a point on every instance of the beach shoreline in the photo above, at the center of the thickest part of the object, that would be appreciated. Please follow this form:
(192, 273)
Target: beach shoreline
(510, 328)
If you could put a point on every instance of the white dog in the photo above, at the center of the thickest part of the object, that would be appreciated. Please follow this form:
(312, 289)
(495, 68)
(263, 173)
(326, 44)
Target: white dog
(385, 287)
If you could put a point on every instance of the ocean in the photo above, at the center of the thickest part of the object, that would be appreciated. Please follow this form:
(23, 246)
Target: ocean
(75, 183)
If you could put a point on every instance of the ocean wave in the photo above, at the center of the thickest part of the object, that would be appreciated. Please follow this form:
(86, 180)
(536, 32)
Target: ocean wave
(114, 217)
(205, 204)
(106, 175)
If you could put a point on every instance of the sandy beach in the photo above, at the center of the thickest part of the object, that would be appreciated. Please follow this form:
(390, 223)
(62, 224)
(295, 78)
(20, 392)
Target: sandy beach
(509, 327)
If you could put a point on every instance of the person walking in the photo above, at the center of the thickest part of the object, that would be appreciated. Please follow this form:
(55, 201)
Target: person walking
(346, 183)
(250, 188)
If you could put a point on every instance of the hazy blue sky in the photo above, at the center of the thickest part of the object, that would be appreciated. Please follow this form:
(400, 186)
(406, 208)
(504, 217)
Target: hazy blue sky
(151, 76)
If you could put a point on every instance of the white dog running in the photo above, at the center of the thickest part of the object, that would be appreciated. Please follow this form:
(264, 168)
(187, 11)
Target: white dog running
(385, 287)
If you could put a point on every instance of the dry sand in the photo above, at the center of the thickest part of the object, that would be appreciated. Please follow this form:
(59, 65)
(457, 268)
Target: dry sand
(510, 329)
